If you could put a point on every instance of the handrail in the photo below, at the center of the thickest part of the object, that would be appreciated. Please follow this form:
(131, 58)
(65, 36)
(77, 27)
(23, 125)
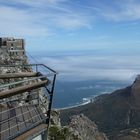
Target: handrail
(33, 93)
(20, 82)
(27, 65)
(18, 75)
(22, 89)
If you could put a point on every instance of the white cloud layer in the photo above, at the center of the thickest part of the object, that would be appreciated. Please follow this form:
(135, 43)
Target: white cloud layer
(126, 10)
(94, 67)
(19, 23)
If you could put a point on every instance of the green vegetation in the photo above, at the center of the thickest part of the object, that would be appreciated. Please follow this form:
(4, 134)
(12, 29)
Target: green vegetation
(61, 133)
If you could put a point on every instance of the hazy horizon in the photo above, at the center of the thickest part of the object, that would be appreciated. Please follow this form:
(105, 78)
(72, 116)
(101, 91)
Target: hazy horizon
(90, 65)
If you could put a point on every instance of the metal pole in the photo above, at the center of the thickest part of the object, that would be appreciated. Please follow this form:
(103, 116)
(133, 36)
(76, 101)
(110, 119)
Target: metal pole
(50, 102)
(51, 97)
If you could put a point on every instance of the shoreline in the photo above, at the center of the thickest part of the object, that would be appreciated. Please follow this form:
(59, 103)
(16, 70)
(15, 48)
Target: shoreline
(69, 107)
(89, 100)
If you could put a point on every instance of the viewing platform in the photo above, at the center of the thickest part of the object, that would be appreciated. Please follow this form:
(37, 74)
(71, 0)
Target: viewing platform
(25, 101)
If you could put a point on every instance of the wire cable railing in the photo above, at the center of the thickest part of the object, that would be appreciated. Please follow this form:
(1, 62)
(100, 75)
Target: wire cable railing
(22, 116)
(22, 130)
(32, 113)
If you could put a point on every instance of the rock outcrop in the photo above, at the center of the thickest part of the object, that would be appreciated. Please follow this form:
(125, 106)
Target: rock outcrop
(79, 128)
(13, 60)
(85, 128)
(135, 90)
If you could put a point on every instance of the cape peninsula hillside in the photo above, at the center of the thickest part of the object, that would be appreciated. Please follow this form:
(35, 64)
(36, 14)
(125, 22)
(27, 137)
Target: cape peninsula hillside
(116, 114)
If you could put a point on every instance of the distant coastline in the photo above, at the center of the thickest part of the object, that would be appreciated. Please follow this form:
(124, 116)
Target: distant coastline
(87, 101)
(69, 107)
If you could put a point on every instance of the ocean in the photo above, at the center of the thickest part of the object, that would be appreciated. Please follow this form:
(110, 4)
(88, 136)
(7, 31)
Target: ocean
(68, 94)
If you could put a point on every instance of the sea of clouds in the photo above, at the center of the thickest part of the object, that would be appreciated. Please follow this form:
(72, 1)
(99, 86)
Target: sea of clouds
(89, 67)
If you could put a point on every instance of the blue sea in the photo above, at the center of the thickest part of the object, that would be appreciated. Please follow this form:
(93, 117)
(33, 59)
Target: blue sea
(69, 94)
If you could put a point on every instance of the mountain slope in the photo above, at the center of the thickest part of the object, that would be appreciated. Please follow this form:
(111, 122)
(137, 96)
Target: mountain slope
(115, 114)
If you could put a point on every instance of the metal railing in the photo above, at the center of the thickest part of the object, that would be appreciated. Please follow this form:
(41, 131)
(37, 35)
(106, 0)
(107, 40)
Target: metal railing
(18, 111)
(34, 67)
(16, 119)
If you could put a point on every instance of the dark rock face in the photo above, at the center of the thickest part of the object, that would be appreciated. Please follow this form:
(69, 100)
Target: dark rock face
(79, 128)
(136, 90)
(113, 112)
(85, 128)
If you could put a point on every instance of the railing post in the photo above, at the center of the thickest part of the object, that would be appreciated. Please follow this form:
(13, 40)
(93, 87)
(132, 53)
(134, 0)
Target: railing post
(36, 68)
(50, 101)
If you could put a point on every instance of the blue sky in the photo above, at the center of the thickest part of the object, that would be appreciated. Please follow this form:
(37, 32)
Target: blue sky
(46, 25)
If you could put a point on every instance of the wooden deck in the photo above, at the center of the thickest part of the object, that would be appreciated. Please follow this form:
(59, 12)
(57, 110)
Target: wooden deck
(33, 132)
(16, 121)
